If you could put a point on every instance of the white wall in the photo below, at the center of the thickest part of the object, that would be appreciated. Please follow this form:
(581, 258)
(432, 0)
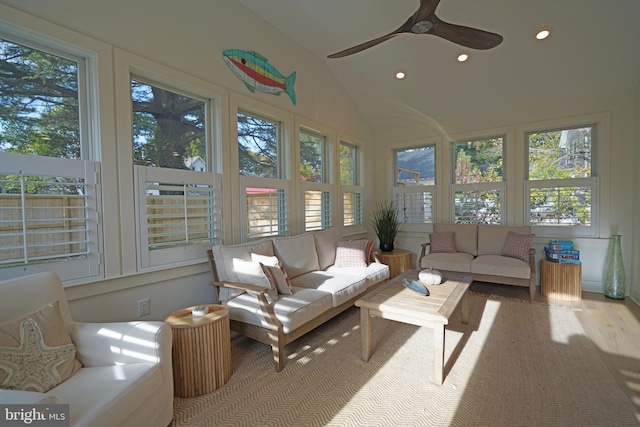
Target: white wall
(187, 36)
(618, 170)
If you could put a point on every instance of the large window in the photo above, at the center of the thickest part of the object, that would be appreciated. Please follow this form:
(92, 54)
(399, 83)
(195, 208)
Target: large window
(562, 184)
(350, 185)
(49, 202)
(177, 193)
(414, 190)
(478, 187)
(265, 192)
(314, 175)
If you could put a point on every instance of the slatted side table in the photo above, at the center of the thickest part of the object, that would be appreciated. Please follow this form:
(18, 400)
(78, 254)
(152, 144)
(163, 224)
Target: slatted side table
(201, 350)
(561, 281)
(398, 260)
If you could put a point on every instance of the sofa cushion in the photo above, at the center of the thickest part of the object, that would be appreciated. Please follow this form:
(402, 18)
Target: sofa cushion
(497, 265)
(373, 273)
(108, 395)
(351, 253)
(326, 245)
(293, 311)
(491, 237)
(277, 272)
(517, 245)
(36, 351)
(442, 242)
(224, 255)
(297, 253)
(466, 236)
(341, 286)
(460, 261)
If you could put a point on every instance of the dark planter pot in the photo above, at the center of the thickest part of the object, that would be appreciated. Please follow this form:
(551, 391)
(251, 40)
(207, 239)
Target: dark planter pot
(386, 247)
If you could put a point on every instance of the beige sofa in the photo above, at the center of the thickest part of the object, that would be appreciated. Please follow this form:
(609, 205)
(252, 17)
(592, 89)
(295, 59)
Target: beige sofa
(320, 289)
(121, 375)
(479, 252)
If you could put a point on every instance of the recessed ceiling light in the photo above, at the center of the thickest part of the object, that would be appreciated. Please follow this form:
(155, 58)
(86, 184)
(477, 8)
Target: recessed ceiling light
(543, 33)
(401, 74)
(462, 57)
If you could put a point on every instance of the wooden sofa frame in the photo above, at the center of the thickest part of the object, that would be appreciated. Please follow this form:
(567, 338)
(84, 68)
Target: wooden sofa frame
(527, 283)
(273, 334)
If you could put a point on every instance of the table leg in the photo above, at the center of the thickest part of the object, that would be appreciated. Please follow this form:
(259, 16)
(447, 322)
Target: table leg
(465, 308)
(365, 333)
(438, 353)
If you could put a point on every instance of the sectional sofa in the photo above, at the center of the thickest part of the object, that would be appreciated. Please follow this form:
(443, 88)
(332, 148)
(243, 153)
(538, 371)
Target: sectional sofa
(278, 289)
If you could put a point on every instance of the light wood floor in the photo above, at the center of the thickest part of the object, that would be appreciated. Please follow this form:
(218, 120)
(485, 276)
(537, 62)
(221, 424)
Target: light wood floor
(612, 325)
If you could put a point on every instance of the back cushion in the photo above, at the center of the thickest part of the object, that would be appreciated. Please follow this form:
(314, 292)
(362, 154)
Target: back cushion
(224, 256)
(326, 241)
(297, 253)
(491, 237)
(466, 236)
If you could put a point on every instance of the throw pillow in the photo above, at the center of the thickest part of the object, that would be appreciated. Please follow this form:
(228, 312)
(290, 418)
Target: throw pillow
(369, 251)
(252, 273)
(277, 270)
(517, 245)
(36, 351)
(443, 241)
(351, 253)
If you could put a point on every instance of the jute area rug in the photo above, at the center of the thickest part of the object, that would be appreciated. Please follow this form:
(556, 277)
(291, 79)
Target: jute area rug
(514, 364)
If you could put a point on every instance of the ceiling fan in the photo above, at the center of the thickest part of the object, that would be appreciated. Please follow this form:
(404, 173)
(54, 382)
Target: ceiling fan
(425, 21)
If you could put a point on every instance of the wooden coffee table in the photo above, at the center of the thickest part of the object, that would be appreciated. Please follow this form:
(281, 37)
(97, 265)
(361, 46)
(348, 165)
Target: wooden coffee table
(394, 301)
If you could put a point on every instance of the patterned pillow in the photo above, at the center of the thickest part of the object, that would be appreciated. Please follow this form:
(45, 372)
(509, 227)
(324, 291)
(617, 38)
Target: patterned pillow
(277, 271)
(443, 241)
(517, 245)
(36, 351)
(369, 250)
(351, 253)
(253, 273)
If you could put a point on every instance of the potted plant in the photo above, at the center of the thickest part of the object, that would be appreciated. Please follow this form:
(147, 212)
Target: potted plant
(385, 223)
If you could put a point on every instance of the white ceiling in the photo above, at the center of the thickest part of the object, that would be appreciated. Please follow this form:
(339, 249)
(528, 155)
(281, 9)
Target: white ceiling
(595, 47)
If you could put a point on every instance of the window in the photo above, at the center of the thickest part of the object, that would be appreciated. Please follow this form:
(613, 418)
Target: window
(177, 195)
(314, 176)
(350, 185)
(562, 184)
(414, 188)
(49, 199)
(266, 194)
(478, 189)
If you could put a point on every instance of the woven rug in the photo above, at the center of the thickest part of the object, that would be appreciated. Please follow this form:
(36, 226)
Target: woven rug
(514, 364)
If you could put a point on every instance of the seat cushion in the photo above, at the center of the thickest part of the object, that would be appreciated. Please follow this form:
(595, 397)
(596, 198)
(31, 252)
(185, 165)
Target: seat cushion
(459, 262)
(341, 286)
(372, 274)
(107, 395)
(292, 310)
(498, 265)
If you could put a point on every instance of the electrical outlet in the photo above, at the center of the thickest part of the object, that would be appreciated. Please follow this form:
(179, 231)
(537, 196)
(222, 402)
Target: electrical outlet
(144, 307)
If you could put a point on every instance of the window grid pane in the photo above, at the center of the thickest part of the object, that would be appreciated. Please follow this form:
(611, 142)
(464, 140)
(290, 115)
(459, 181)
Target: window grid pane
(266, 212)
(317, 210)
(414, 207)
(560, 206)
(312, 162)
(258, 146)
(352, 203)
(478, 207)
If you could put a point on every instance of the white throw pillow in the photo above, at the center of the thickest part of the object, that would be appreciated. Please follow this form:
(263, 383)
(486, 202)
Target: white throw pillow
(277, 271)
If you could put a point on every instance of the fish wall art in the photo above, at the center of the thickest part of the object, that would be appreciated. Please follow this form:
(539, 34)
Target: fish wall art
(257, 74)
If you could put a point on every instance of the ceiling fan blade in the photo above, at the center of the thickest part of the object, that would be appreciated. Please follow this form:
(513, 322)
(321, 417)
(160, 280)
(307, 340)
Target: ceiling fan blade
(466, 36)
(426, 9)
(363, 46)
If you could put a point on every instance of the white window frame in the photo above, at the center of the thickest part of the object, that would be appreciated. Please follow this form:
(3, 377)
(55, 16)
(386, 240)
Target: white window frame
(69, 271)
(596, 122)
(325, 187)
(356, 190)
(498, 186)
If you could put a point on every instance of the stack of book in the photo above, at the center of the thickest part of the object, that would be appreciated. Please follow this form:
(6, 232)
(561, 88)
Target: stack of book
(562, 252)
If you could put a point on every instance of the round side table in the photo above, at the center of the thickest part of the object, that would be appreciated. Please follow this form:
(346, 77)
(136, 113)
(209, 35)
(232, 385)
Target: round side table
(398, 260)
(201, 350)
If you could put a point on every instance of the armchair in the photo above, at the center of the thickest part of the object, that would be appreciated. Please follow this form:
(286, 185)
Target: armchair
(122, 375)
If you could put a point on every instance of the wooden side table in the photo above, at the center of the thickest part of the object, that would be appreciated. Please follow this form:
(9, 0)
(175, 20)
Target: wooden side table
(561, 281)
(398, 260)
(201, 350)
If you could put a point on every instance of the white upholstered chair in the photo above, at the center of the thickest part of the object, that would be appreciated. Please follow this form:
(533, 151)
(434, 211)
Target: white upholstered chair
(125, 378)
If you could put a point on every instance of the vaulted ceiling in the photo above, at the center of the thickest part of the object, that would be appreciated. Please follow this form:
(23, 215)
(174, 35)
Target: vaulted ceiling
(593, 48)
